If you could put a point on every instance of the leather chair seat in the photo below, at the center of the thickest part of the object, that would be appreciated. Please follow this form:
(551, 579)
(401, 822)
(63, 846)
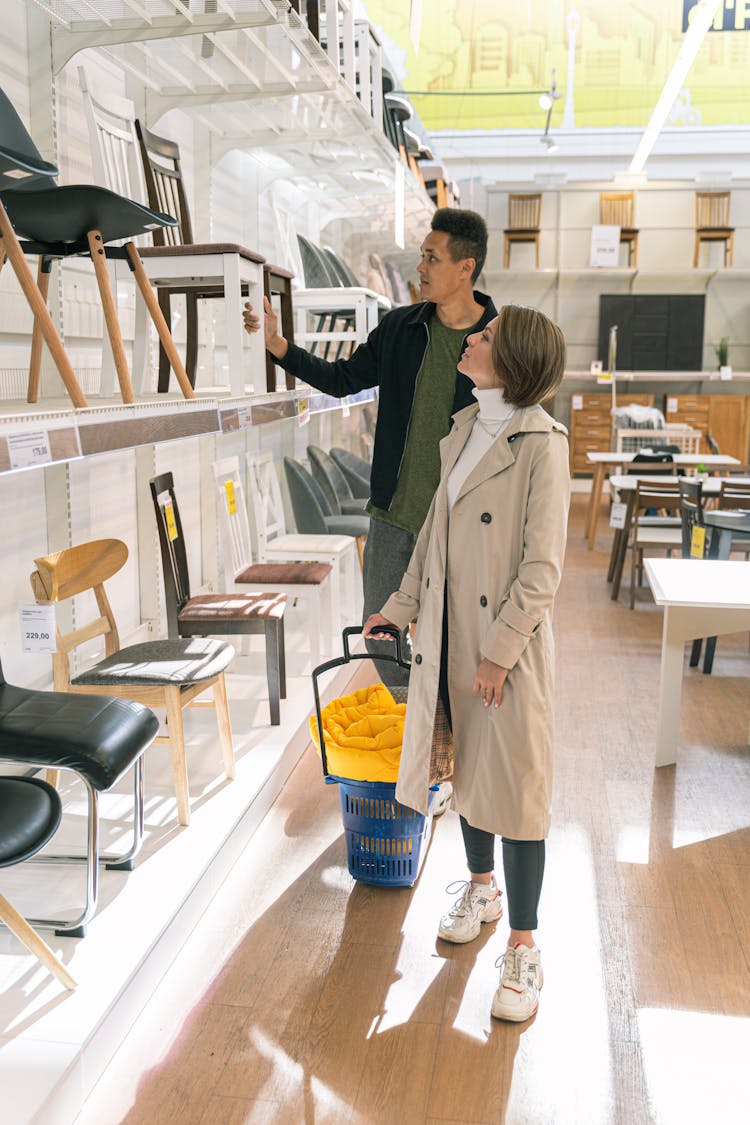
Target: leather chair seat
(160, 662)
(97, 736)
(348, 525)
(32, 811)
(285, 574)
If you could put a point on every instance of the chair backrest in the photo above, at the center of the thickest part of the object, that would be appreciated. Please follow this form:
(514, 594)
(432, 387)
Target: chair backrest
(616, 208)
(308, 501)
(73, 571)
(524, 211)
(330, 478)
(355, 469)
(712, 208)
(172, 547)
(165, 185)
(235, 526)
(734, 494)
(20, 160)
(659, 495)
(113, 143)
(345, 275)
(691, 511)
(265, 496)
(317, 270)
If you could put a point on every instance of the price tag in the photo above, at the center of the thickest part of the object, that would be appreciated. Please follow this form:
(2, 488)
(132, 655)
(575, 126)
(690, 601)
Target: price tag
(576, 402)
(617, 515)
(671, 405)
(698, 542)
(604, 377)
(244, 417)
(345, 408)
(303, 411)
(38, 628)
(231, 498)
(171, 525)
(27, 449)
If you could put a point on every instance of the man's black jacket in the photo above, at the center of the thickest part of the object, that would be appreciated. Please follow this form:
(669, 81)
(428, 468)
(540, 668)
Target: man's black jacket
(389, 359)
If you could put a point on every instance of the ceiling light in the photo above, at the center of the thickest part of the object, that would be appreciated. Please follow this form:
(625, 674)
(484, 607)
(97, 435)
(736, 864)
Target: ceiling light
(546, 99)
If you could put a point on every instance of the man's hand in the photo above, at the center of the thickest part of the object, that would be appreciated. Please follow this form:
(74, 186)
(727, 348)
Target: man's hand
(373, 623)
(489, 681)
(275, 343)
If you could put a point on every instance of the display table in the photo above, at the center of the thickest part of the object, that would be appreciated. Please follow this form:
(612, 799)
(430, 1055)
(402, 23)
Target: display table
(701, 598)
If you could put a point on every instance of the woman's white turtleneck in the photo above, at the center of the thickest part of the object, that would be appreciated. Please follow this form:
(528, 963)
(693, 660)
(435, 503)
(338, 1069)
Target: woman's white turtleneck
(493, 417)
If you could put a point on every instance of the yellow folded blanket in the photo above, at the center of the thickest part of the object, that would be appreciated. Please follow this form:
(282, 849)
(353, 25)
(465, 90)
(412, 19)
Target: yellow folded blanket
(363, 734)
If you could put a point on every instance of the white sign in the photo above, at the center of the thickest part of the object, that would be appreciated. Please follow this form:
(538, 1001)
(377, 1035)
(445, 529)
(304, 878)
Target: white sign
(577, 402)
(38, 629)
(671, 405)
(605, 246)
(30, 448)
(345, 411)
(617, 515)
(244, 417)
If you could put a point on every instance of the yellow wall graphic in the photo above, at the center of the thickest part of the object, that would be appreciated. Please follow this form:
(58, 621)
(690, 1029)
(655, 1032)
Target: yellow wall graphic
(482, 60)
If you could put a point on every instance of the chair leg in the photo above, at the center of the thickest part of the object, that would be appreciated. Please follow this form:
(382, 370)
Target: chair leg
(695, 652)
(282, 658)
(273, 671)
(35, 362)
(315, 625)
(143, 283)
(10, 246)
(30, 938)
(76, 927)
(177, 748)
(361, 540)
(165, 369)
(98, 257)
(191, 348)
(52, 777)
(225, 727)
(506, 253)
(696, 251)
(708, 659)
(126, 862)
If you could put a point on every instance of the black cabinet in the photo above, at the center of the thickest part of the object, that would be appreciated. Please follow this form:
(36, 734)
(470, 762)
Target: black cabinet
(655, 332)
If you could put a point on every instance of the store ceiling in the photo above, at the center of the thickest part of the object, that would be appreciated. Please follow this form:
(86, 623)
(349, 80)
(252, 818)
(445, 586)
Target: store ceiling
(483, 63)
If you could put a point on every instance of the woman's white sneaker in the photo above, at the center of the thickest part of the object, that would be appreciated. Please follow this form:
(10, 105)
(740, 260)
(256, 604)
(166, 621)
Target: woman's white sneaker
(477, 903)
(521, 980)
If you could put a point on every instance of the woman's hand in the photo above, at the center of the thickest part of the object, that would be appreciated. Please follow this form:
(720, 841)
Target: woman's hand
(275, 343)
(489, 681)
(373, 623)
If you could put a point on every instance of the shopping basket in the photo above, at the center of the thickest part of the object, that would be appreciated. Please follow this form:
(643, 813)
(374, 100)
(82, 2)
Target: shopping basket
(385, 840)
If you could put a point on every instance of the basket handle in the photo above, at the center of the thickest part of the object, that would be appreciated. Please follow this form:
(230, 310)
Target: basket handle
(348, 656)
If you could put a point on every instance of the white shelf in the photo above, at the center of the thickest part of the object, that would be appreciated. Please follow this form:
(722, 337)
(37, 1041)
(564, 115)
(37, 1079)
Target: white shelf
(663, 377)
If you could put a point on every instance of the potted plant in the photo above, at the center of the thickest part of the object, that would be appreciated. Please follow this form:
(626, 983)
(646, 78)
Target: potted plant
(722, 354)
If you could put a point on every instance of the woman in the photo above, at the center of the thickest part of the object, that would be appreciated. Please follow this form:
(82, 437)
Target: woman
(480, 586)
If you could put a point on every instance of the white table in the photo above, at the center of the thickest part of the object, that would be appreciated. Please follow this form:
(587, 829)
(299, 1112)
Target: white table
(701, 598)
(714, 463)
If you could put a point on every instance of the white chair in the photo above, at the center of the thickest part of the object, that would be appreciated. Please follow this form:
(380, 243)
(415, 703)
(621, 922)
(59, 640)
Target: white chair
(309, 580)
(274, 543)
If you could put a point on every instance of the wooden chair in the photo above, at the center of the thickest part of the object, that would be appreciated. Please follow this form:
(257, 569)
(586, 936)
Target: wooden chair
(165, 673)
(653, 532)
(224, 614)
(307, 580)
(616, 210)
(712, 223)
(274, 544)
(32, 811)
(524, 212)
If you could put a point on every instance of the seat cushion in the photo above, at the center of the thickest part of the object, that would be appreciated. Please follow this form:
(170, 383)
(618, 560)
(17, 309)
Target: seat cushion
(169, 662)
(31, 814)
(227, 608)
(348, 525)
(95, 735)
(285, 574)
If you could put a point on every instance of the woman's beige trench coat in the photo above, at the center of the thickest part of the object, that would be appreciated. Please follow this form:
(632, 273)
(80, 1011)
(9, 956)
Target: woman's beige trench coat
(502, 553)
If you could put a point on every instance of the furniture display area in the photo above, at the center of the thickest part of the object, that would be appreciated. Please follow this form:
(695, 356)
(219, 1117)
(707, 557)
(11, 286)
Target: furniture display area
(616, 210)
(590, 429)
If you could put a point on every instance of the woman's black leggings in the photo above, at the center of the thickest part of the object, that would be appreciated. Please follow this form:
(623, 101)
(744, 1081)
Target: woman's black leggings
(523, 860)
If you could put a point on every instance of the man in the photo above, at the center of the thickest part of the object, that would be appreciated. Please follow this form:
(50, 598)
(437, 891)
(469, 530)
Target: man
(411, 358)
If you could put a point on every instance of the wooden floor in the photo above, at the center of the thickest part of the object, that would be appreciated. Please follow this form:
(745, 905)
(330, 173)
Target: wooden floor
(332, 1002)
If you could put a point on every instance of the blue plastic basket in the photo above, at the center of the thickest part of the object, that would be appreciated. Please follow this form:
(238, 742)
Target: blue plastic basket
(385, 840)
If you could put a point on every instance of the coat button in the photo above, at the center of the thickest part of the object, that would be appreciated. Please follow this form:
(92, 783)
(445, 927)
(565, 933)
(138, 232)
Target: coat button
(486, 517)
(418, 658)
(483, 600)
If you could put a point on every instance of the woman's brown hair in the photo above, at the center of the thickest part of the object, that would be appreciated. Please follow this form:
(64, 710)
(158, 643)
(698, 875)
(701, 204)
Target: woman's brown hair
(528, 354)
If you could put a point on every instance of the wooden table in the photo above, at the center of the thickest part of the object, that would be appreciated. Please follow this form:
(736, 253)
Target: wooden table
(701, 598)
(601, 461)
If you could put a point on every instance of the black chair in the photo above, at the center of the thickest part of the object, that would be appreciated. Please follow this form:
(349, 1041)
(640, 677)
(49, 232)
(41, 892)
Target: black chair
(74, 221)
(209, 615)
(334, 484)
(98, 738)
(355, 469)
(312, 512)
(691, 516)
(32, 811)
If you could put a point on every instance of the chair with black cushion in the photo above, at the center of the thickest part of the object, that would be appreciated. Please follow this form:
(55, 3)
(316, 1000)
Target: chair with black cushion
(75, 221)
(355, 469)
(312, 512)
(693, 544)
(165, 673)
(32, 811)
(98, 738)
(210, 615)
(331, 479)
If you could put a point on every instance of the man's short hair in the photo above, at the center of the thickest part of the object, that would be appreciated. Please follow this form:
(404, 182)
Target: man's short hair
(467, 235)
